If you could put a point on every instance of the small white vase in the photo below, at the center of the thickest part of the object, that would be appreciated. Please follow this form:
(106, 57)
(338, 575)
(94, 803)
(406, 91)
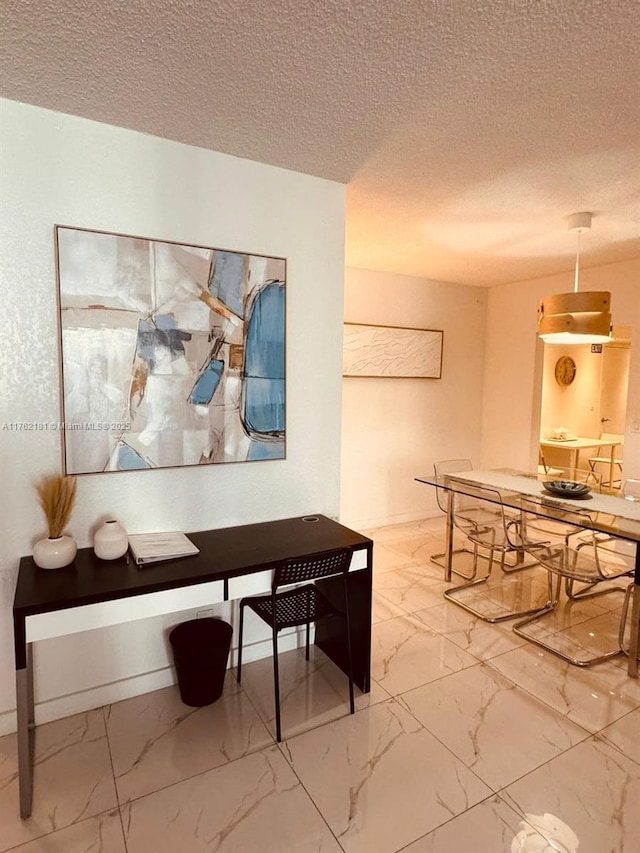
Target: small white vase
(110, 541)
(54, 553)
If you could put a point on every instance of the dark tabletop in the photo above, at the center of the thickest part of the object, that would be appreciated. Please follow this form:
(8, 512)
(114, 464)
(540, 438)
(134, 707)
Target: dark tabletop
(224, 553)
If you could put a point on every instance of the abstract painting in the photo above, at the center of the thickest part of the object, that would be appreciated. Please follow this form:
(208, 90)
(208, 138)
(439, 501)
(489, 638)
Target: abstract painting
(392, 351)
(172, 354)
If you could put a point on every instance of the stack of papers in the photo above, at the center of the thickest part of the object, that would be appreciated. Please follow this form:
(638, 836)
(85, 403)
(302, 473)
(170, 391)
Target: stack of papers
(154, 547)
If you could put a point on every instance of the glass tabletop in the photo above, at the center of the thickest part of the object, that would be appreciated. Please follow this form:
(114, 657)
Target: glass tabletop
(603, 513)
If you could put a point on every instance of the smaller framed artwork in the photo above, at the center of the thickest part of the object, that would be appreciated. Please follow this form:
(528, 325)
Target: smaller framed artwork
(392, 351)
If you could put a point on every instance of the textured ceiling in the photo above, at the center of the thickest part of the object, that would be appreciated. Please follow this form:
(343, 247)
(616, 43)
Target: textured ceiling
(466, 131)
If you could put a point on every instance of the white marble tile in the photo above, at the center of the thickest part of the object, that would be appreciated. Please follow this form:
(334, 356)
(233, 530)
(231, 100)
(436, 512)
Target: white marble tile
(623, 734)
(387, 559)
(100, 834)
(72, 778)
(481, 639)
(586, 800)
(311, 692)
(569, 613)
(498, 730)
(593, 697)
(417, 549)
(253, 804)
(411, 588)
(383, 609)
(433, 526)
(405, 653)
(380, 780)
(155, 740)
(490, 827)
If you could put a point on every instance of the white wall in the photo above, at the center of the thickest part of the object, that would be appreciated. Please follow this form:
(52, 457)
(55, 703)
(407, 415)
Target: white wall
(394, 429)
(513, 361)
(60, 169)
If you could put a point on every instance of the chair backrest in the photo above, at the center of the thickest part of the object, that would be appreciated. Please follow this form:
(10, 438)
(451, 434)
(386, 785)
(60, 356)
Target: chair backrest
(449, 466)
(481, 518)
(559, 550)
(311, 566)
(554, 526)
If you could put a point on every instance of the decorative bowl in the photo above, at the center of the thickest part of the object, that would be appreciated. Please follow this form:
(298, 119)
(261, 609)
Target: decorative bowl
(567, 488)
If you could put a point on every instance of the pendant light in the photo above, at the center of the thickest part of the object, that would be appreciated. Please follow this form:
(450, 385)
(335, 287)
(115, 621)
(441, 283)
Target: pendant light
(581, 317)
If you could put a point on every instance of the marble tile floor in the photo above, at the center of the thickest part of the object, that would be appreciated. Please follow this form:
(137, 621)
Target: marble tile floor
(471, 741)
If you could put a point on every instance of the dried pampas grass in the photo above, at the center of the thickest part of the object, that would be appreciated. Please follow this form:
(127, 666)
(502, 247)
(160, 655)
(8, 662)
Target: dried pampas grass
(57, 496)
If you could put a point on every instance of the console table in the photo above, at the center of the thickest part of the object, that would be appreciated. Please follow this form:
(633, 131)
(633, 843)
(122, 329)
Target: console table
(92, 593)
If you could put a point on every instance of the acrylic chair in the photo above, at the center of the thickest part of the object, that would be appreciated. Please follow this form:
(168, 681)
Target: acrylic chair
(611, 547)
(300, 603)
(483, 520)
(558, 543)
(441, 468)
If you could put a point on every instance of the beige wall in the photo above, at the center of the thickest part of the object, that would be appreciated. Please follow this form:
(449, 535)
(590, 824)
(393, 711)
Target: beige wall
(514, 359)
(487, 404)
(394, 429)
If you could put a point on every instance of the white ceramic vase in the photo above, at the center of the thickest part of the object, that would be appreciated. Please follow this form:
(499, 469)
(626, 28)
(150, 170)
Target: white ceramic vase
(54, 553)
(110, 541)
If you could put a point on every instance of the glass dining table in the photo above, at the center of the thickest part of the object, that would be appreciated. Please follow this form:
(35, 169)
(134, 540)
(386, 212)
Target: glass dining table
(609, 514)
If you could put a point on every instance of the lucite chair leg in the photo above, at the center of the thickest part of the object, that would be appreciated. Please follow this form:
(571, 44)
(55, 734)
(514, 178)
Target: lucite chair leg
(533, 612)
(583, 663)
(441, 560)
(276, 684)
(520, 563)
(586, 590)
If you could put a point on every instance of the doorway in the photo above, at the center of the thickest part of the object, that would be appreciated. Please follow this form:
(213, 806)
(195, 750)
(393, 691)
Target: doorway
(584, 391)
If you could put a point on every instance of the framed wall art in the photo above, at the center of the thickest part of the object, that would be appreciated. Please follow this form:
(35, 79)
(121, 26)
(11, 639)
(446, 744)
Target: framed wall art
(392, 351)
(172, 354)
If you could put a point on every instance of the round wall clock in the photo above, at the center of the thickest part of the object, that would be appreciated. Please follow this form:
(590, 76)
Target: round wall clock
(565, 370)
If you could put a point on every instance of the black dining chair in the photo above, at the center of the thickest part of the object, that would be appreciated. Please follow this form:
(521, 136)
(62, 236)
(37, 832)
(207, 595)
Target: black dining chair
(300, 603)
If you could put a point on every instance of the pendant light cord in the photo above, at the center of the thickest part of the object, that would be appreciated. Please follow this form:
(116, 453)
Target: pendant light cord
(575, 278)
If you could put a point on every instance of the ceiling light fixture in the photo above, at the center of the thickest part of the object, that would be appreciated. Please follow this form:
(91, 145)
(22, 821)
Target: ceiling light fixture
(578, 317)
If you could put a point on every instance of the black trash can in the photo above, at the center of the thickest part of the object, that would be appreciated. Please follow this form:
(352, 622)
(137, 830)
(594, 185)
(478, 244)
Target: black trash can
(200, 653)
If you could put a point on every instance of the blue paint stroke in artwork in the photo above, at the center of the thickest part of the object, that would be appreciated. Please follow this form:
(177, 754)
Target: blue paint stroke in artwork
(207, 383)
(163, 333)
(264, 397)
(129, 459)
(265, 450)
(227, 281)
